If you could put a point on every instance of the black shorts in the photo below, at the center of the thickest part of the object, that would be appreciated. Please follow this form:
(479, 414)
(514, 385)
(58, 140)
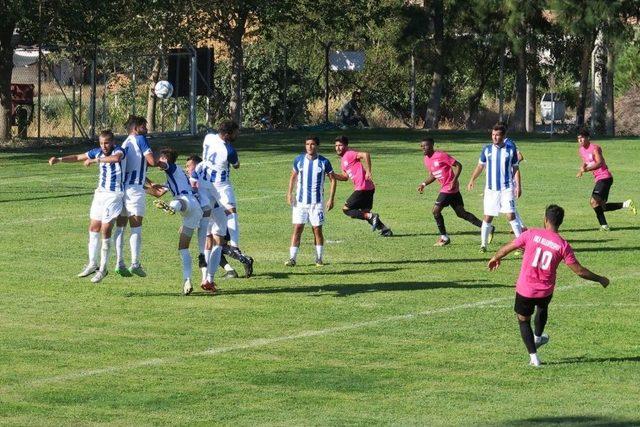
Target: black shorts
(360, 199)
(525, 306)
(601, 189)
(450, 199)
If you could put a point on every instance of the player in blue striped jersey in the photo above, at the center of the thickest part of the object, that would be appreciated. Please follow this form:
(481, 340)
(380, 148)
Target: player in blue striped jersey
(309, 171)
(184, 201)
(139, 157)
(501, 162)
(107, 199)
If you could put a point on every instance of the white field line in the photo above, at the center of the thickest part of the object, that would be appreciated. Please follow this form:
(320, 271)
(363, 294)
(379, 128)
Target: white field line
(266, 162)
(262, 342)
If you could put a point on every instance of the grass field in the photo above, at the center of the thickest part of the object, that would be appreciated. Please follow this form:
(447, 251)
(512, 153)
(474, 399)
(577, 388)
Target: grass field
(390, 331)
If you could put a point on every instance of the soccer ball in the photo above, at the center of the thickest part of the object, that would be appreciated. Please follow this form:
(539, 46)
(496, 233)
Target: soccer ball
(163, 89)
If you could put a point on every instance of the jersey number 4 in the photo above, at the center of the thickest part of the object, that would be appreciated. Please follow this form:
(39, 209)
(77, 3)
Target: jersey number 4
(542, 259)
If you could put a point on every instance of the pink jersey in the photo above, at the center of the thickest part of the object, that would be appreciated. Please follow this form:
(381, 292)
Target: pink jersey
(354, 169)
(543, 251)
(588, 156)
(440, 166)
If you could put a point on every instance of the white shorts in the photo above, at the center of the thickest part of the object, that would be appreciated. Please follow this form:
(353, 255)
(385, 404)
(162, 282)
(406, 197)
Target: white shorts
(218, 222)
(106, 205)
(135, 200)
(224, 194)
(312, 213)
(192, 215)
(204, 195)
(499, 201)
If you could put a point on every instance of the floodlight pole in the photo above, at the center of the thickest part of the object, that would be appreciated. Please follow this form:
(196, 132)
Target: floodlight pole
(327, 46)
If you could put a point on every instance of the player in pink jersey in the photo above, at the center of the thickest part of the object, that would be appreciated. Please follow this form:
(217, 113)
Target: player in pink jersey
(593, 161)
(356, 165)
(446, 170)
(543, 249)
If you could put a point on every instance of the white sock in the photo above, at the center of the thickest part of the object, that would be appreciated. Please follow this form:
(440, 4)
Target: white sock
(444, 237)
(319, 251)
(213, 261)
(519, 219)
(534, 358)
(293, 252)
(118, 237)
(176, 205)
(136, 244)
(227, 267)
(202, 233)
(104, 254)
(94, 243)
(515, 226)
(536, 338)
(626, 203)
(484, 233)
(234, 229)
(186, 263)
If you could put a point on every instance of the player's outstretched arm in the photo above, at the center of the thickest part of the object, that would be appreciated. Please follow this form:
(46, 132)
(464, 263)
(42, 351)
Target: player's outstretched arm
(114, 158)
(341, 177)
(68, 159)
(494, 262)
(474, 175)
(588, 274)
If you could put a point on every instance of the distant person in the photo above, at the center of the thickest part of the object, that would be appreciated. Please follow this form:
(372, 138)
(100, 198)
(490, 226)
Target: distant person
(307, 205)
(446, 170)
(356, 165)
(543, 249)
(107, 199)
(351, 112)
(593, 161)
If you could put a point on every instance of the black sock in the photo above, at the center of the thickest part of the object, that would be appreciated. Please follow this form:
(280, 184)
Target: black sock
(223, 261)
(527, 336)
(600, 215)
(540, 320)
(440, 222)
(380, 224)
(612, 207)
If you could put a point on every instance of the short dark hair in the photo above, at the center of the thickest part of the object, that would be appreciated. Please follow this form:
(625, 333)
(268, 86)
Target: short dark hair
(584, 132)
(107, 134)
(500, 127)
(228, 127)
(342, 139)
(170, 153)
(312, 138)
(429, 140)
(195, 158)
(555, 215)
(134, 121)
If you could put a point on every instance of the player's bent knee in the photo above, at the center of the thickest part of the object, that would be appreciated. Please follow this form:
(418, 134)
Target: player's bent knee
(522, 318)
(186, 231)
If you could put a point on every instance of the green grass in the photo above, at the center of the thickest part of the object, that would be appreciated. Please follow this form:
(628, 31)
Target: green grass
(391, 331)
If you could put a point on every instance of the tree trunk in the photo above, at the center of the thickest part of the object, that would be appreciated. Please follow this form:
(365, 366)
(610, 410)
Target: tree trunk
(432, 114)
(610, 123)
(152, 100)
(237, 69)
(518, 122)
(6, 67)
(599, 71)
(585, 63)
(530, 112)
(473, 105)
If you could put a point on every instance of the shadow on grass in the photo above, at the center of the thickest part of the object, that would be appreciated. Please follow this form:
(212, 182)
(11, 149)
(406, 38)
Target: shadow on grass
(595, 230)
(422, 261)
(337, 290)
(581, 420)
(322, 272)
(57, 196)
(582, 359)
(608, 249)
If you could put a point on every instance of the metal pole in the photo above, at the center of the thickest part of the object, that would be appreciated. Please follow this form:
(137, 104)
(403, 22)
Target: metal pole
(39, 87)
(553, 114)
(501, 90)
(326, 81)
(285, 113)
(133, 88)
(92, 110)
(193, 91)
(413, 90)
(73, 105)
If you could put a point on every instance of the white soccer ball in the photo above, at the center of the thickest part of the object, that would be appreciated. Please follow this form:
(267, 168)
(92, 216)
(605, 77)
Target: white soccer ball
(163, 89)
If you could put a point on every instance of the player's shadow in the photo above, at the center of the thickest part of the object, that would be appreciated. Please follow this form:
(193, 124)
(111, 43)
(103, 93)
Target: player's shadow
(608, 249)
(57, 196)
(572, 241)
(577, 420)
(420, 261)
(457, 233)
(583, 359)
(592, 229)
(326, 272)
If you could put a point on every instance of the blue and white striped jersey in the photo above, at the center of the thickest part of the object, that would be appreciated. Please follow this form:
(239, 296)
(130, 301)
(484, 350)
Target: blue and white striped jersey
(499, 162)
(218, 156)
(110, 176)
(178, 181)
(311, 174)
(136, 147)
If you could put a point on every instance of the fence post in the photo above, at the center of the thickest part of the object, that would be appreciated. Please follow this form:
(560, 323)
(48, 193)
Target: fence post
(193, 91)
(92, 106)
(501, 89)
(326, 81)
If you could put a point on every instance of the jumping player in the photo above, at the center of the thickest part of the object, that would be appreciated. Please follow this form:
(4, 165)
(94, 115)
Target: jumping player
(446, 170)
(107, 199)
(593, 161)
(502, 163)
(356, 165)
(309, 171)
(543, 249)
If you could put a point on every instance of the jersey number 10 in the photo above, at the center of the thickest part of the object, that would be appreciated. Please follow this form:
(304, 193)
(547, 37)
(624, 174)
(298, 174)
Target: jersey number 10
(542, 259)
